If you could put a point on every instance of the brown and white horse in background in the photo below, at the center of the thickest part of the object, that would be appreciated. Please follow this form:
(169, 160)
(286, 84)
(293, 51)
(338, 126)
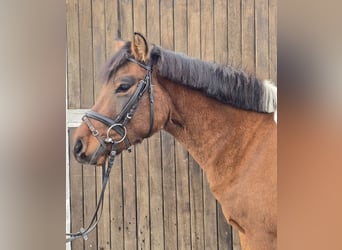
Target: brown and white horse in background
(222, 116)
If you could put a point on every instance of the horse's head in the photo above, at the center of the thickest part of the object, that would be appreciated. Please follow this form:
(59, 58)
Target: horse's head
(131, 105)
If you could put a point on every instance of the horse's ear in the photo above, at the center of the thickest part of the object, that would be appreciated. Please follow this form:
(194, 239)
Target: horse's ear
(139, 47)
(118, 44)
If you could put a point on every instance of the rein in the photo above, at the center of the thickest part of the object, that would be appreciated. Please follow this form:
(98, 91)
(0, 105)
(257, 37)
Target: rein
(119, 126)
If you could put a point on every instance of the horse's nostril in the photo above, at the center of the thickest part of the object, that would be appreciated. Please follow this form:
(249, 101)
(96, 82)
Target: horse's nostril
(78, 146)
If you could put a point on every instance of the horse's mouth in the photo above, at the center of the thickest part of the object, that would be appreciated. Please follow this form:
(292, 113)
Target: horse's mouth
(90, 160)
(100, 160)
(82, 158)
(98, 157)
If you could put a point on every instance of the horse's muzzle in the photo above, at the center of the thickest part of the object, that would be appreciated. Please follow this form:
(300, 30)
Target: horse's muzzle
(79, 151)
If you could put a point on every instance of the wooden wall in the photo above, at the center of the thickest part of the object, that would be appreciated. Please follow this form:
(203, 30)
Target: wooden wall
(158, 197)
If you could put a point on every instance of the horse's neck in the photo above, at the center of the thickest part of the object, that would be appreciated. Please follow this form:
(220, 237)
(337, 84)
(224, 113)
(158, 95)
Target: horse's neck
(215, 134)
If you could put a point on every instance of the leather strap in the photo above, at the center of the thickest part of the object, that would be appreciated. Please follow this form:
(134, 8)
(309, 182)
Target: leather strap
(108, 122)
(83, 233)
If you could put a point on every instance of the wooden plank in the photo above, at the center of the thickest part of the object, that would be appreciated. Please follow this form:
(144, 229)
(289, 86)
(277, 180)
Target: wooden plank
(236, 240)
(247, 35)
(86, 55)
(235, 59)
(99, 42)
(181, 155)
(155, 160)
(195, 173)
(169, 191)
(128, 160)
(225, 241)
(180, 26)
(183, 197)
(234, 33)
(87, 99)
(209, 216)
(89, 202)
(103, 227)
(115, 185)
(139, 15)
(156, 194)
(126, 19)
(116, 205)
(73, 64)
(168, 154)
(194, 27)
(112, 26)
(207, 54)
(143, 199)
(142, 169)
(261, 38)
(221, 31)
(196, 205)
(273, 39)
(129, 199)
(76, 196)
(166, 24)
(221, 56)
(207, 30)
(99, 57)
(129, 195)
(152, 19)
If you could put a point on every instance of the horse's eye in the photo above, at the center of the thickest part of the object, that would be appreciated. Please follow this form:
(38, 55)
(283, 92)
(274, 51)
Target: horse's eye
(123, 88)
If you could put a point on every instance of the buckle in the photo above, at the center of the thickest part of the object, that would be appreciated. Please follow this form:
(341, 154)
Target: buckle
(109, 139)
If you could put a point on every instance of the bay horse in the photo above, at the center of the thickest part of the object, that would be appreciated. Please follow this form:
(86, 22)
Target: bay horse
(221, 115)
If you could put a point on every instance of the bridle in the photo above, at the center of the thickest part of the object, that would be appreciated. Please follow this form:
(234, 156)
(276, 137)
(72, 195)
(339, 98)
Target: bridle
(119, 126)
(126, 114)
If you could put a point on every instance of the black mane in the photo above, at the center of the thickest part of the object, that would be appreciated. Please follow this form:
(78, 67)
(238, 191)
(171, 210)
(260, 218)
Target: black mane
(224, 83)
